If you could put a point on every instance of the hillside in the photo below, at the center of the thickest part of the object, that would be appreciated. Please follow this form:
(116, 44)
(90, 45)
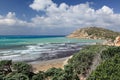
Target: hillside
(97, 63)
(94, 33)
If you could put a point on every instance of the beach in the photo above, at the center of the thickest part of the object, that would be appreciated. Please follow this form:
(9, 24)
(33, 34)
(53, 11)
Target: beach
(42, 52)
(45, 65)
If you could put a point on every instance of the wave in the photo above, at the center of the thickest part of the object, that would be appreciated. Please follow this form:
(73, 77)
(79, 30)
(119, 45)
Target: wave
(38, 51)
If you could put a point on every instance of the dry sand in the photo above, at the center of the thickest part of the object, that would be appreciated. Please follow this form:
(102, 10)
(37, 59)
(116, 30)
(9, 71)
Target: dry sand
(44, 65)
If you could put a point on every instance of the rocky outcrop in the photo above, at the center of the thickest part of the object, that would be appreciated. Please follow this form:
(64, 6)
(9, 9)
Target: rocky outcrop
(78, 34)
(108, 42)
(117, 41)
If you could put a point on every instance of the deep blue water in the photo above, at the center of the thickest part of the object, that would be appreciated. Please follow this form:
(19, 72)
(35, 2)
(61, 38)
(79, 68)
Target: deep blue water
(28, 36)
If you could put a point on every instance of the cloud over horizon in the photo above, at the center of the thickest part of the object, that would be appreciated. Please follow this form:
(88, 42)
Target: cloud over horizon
(57, 17)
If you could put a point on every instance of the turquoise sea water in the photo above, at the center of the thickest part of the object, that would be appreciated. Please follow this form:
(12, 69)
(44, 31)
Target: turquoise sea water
(30, 48)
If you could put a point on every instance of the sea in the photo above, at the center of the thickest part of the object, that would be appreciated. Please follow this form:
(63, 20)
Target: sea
(40, 48)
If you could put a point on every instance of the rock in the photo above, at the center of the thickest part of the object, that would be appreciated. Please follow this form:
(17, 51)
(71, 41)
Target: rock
(117, 41)
(78, 34)
(108, 42)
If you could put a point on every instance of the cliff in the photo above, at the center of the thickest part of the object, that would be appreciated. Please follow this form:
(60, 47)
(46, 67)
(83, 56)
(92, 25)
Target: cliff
(94, 33)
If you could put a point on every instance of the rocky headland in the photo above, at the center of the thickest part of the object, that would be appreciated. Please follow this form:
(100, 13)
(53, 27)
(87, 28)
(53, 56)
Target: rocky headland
(110, 37)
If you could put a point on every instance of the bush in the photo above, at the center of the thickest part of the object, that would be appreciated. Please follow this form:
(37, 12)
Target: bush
(110, 52)
(54, 72)
(5, 67)
(39, 76)
(22, 67)
(19, 76)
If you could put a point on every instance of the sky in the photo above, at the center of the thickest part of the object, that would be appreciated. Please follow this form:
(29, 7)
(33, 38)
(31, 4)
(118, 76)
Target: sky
(57, 17)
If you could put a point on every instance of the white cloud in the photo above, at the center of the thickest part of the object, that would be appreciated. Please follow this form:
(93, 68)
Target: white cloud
(11, 20)
(10, 15)
(7, 20)
(41, 4)
(105, 10)
(74, 16)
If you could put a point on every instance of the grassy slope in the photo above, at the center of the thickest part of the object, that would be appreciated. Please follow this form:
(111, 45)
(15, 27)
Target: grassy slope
(102, 33)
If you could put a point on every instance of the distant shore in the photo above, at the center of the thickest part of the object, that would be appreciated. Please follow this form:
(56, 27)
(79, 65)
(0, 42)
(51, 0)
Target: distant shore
(45, 65)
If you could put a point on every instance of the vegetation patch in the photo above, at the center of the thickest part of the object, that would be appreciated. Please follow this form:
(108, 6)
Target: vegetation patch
(82, 61)
(21, 71)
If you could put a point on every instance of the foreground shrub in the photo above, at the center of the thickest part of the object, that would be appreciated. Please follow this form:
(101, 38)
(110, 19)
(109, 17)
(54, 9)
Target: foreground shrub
(22, 67)
(39, 76)
(5, 67)
(18, 76)
(54, 72)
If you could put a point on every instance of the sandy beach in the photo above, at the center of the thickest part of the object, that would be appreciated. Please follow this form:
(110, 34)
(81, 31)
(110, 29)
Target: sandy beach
(44, 65)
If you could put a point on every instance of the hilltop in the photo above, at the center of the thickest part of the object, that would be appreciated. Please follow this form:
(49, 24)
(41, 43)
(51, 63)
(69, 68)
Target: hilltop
(94, 33)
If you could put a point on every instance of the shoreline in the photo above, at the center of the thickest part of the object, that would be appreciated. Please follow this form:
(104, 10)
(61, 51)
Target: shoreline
(45, 65)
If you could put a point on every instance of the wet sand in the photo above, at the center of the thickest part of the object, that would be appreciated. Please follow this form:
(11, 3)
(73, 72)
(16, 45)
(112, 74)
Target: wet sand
(44, 65)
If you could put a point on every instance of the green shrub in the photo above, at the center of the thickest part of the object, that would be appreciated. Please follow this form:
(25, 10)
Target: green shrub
(5, 67)
(19, 76)
(22, 67)
(39, 76)
(54, 72)
(110, 52)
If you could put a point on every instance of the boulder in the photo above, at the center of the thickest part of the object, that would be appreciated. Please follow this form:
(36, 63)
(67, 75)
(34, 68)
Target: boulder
(117, 41)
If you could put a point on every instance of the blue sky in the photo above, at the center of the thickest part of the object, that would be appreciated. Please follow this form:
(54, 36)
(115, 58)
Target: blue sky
(56, 17)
